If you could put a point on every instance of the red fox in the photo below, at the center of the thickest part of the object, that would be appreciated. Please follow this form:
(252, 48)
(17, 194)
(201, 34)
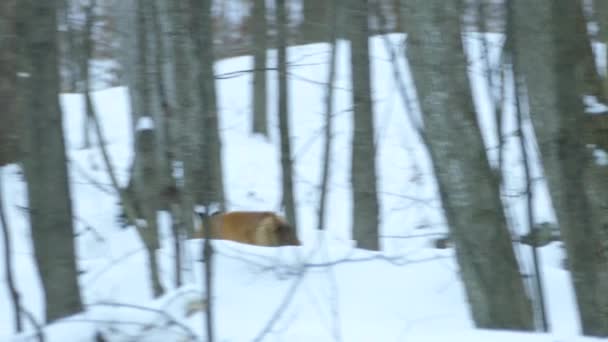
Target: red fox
(260, 228)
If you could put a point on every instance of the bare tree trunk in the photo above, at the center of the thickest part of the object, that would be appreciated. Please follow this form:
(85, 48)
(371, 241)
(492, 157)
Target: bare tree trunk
(283, 109)
(329, 108)
(8, 263)
(146, 176)
(202, 34)
(363, 167)
(314, 21)
(208, 257)
(69, 54)
(9, 129)
(169, 190)
(188, 126)
(547, 43)
(87, 53)
(468, 189)
(529, 193)
(45, 160)
(260, 45)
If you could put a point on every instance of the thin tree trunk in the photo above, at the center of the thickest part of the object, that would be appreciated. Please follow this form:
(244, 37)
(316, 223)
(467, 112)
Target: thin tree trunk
(87, 53)
(468, 189)
(363, 167)
(519, 93)
(45, 160)
(146, 177)
(329, 108)
(169, 184)
(260, 45)
(283, 109)
(208, 257)
(8, 263)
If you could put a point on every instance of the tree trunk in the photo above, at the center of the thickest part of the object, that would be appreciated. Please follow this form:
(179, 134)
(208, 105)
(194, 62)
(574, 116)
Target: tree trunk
(314, 21)
(9, 132)
(45, 160)
(202, 34)
(546, 42)
(146, 177)
(283, 112)
(329, 108)
(260, 45)
(468, 188)
(188, 133)
(363, 167)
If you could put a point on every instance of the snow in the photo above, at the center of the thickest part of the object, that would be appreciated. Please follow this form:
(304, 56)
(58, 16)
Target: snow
(144, 123)
(333, 291)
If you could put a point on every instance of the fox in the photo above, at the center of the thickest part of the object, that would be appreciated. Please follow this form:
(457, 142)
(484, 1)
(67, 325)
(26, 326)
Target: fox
(259, 228)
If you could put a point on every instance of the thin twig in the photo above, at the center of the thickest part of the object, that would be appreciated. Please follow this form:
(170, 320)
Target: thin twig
(170, 319)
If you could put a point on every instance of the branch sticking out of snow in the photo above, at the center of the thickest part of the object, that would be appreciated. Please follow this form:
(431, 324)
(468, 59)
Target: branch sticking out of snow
(144, 123)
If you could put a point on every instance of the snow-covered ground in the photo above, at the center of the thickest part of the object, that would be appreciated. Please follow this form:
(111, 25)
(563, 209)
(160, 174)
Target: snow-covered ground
(408, 292)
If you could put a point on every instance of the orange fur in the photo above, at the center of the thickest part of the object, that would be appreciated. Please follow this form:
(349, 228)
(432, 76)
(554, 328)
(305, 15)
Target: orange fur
(261, 228)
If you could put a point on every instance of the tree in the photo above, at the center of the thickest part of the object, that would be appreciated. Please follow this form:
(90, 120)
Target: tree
(260, 45)
(546, 42)
(468, 189)
(329, 108)
(363, 167)
(187, 133)
(45, 162)
(314, 21)
(9, 130)
(283, 108)
(202, 36)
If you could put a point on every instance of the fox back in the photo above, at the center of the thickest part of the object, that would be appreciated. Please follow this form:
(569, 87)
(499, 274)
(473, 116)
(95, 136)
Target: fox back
(260, 228)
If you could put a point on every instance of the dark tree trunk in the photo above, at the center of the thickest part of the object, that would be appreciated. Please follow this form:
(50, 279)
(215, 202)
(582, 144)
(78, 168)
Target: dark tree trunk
(553, 65)
(329, 108)
(283, 109)
(468, 189)
(45, 160)
(9, 129)
(363, 168)
(202, 34)
(260, 45)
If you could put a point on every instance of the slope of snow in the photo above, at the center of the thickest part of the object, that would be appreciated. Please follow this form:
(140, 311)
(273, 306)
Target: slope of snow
(409, 291)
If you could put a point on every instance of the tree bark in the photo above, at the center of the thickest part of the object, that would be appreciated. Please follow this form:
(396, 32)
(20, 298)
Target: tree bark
(45, 161)
(202, 34)
(468, 189)
(146, 177)
(188, 133)
(260, 45)
(283, 109)
(329, 108)
(9, 129)
(553, 65)
(363, 167)
(314, 20)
